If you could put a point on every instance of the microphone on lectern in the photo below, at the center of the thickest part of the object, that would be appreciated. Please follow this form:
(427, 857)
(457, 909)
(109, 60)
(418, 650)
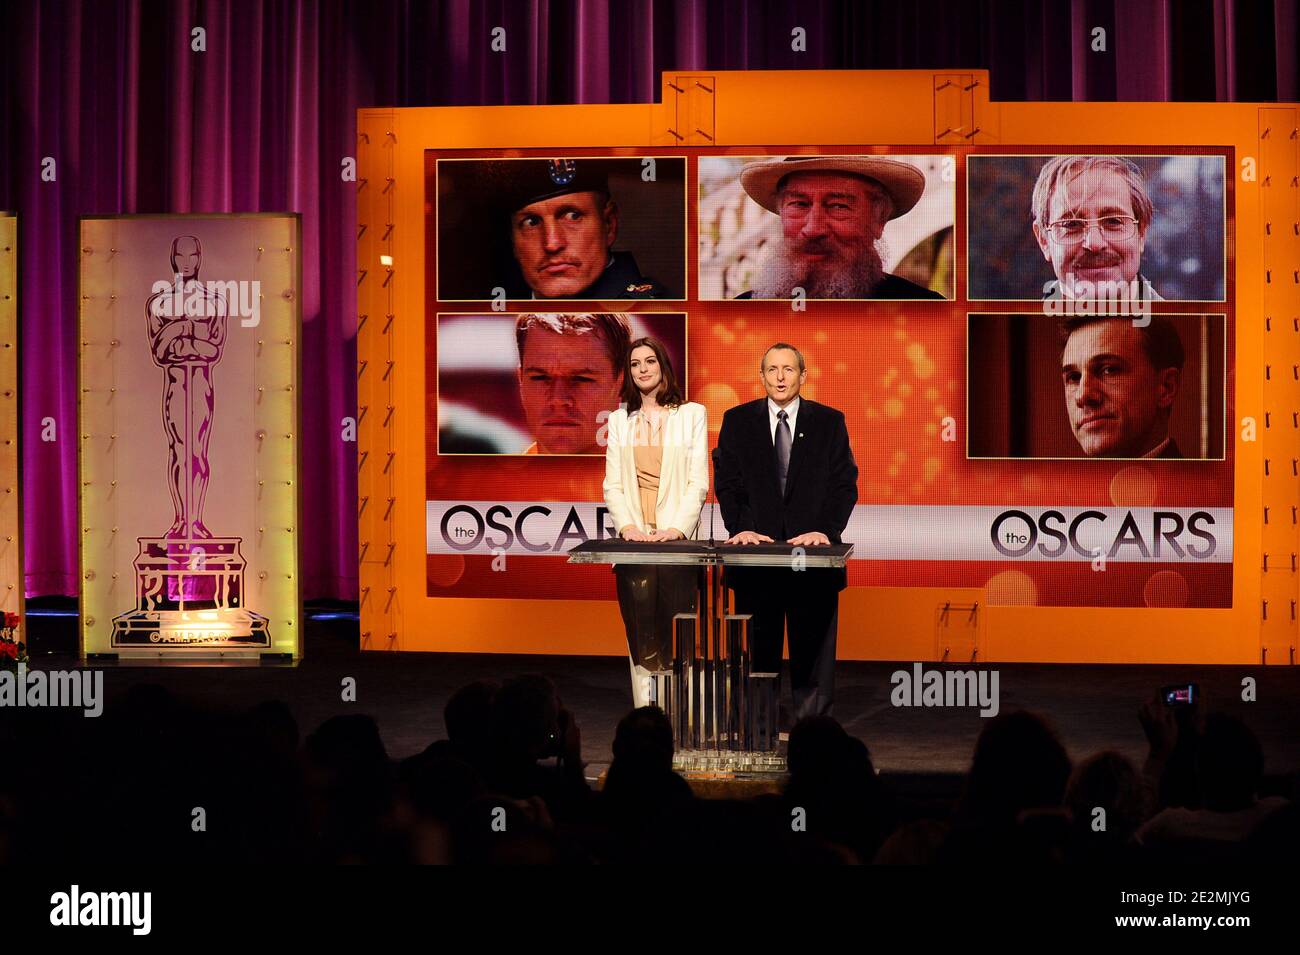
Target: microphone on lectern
(714, 509)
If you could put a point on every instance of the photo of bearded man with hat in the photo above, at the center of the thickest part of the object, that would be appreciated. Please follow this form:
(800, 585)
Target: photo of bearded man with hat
(833, 210)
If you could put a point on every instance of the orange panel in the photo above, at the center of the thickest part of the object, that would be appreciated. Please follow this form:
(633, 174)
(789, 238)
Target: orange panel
(931, 110)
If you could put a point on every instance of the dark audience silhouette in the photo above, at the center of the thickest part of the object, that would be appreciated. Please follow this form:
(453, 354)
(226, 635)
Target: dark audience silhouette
(508, 785)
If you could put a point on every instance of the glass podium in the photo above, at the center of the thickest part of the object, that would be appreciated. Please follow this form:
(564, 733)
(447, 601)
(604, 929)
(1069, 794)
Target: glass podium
(723, 712)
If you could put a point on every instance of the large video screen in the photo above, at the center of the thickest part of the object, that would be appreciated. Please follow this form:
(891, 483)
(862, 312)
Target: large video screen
(1033, 350)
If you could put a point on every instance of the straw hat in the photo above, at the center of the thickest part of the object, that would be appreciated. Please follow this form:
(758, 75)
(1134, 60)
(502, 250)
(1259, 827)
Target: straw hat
(902, 181)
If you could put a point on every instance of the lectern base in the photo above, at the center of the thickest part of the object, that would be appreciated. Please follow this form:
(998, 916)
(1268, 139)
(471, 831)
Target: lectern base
(205, 628)
(723, 713)
(728, 763)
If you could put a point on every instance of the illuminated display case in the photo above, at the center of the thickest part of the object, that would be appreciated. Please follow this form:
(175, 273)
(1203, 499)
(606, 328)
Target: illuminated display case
(189, 410)
(11, 507)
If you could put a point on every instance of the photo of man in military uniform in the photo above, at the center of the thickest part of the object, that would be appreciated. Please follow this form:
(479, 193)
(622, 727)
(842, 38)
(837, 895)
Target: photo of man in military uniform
(563, 226)
(560, 229)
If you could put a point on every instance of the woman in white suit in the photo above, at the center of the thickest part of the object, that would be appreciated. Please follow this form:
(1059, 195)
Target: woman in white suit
(656, 480)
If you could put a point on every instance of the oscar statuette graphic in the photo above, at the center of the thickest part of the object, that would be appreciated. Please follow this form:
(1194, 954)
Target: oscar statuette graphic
(189, 583)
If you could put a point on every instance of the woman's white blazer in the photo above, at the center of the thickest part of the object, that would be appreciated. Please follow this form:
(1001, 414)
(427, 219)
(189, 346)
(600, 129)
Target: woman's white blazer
(683, 475)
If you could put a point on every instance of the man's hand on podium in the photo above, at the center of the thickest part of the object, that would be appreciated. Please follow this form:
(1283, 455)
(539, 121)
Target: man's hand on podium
(811, 539)
(749, 537)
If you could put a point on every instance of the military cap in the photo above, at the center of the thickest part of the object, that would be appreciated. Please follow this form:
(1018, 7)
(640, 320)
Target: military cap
(521, 182)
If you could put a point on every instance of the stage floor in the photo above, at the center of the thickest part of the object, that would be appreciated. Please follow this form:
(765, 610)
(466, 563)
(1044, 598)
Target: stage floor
(1092, 707)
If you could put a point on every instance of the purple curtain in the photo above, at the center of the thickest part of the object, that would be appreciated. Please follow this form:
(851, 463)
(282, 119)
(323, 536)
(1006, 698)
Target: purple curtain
(137, 121)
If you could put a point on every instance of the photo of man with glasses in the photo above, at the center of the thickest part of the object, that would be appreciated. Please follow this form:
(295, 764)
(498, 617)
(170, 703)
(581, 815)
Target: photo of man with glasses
(1090, 217)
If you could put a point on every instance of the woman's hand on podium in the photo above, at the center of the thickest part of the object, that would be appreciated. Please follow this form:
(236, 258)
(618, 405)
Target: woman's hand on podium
(667, 534)
(630, 533)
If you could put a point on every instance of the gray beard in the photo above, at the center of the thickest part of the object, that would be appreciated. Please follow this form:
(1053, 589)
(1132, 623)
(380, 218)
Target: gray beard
(785, 271)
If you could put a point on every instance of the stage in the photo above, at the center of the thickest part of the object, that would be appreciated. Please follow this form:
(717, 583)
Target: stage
(924, 751)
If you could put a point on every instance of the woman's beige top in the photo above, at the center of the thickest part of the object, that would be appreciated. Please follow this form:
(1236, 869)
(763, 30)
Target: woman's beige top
(648, 453)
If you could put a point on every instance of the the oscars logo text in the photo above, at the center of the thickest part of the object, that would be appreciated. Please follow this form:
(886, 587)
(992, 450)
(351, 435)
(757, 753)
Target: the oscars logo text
(1015, 533)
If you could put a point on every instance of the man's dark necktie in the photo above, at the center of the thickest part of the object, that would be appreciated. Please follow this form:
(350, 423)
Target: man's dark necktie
(783, 441)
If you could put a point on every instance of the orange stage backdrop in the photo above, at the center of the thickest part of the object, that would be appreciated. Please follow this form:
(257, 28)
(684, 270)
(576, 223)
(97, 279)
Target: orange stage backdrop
(11, 508)
(896, 383)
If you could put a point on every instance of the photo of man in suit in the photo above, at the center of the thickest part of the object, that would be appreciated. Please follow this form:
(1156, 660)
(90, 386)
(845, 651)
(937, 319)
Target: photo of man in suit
(1121, 381)
(1091, 215)
(784, 472)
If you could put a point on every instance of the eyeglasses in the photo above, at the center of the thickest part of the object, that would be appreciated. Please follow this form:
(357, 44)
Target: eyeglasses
(1070, 231)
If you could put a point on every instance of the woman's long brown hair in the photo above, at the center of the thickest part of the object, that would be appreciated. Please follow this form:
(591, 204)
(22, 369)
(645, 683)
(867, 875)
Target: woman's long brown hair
(669, 393)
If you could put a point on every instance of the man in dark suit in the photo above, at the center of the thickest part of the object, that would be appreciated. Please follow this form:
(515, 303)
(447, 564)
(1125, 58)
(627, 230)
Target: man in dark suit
(784, 471)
